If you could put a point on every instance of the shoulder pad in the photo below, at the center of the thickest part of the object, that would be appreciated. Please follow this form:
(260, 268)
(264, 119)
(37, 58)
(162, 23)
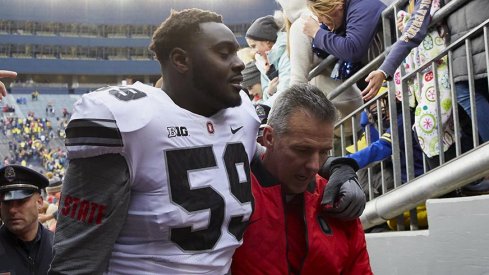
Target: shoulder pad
(130, 105)
(100, 118)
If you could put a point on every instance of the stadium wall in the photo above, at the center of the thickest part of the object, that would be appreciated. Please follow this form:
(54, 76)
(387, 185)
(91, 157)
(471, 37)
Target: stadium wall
(455, 243)
(20, 48)
(81, 67)
(74, 41)
(128, 12)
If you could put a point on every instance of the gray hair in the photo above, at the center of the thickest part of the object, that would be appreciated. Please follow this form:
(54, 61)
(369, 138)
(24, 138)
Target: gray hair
(303, 97)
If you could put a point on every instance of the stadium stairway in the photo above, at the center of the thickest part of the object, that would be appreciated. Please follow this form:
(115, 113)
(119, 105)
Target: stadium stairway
(39, 106)
(4, 149)
(455, 243)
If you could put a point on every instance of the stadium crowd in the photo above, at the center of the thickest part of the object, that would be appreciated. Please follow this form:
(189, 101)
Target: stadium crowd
(108, 207)
(29, 143)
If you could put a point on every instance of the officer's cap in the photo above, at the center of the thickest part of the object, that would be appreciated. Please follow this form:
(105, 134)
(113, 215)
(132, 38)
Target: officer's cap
(19, 182)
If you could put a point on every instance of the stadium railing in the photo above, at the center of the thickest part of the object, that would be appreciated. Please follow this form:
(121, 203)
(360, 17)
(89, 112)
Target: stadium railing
(449, 176)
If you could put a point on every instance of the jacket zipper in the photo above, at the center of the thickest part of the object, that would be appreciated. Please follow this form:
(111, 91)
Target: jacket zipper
(306, 230)
(284, 206)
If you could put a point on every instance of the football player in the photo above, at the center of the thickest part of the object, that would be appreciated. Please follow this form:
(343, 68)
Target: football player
(158, 182)
(159, 179)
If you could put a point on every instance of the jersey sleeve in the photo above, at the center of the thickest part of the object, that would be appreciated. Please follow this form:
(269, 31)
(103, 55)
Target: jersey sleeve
(92, 130)
(100, 117)
(93, 208)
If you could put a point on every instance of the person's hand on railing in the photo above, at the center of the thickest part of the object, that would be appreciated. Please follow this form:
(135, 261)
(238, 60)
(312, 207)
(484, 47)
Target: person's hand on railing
(311, 26)
(374, 80)
(400, 20)
(4, 74)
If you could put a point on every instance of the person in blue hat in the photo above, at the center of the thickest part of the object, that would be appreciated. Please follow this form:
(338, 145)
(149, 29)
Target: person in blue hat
(23, 240)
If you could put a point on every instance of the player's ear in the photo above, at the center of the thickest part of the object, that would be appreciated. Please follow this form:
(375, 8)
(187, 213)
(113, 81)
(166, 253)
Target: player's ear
(180, 59)
(268, 136)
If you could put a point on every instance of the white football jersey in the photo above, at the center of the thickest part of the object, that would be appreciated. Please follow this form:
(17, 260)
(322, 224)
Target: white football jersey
(190, 175)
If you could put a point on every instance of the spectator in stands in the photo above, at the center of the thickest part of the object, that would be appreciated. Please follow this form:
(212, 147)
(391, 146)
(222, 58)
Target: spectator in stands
(21, 100)
(5, 74)
(8, 109)
(270, 43)
(381, 148)
(26, 244)
(345, 30)
(458, 24)
(53, 191)
(35, 95)
(360, 16)
(251, 75)
(288, 233)
(246, 54)
(30, 143)
(468, 16)
(65, 112)
(252, 82)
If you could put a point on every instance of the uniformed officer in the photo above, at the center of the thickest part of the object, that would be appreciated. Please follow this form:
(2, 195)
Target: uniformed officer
(25, 245)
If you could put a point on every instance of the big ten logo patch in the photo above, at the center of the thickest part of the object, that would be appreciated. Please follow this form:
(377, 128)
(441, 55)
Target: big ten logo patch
(177, 131)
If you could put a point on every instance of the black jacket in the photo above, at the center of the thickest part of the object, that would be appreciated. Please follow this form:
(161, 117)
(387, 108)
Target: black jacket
(21, 258)
(463, 20)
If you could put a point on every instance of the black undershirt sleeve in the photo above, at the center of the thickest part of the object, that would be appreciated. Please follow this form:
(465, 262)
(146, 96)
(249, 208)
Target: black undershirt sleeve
(93, 208)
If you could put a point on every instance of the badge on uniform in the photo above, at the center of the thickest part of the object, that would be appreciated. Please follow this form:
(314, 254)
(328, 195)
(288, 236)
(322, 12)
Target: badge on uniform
(9, 173)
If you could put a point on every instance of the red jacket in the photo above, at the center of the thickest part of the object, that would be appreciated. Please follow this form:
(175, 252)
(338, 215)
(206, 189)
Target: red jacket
(332, 246)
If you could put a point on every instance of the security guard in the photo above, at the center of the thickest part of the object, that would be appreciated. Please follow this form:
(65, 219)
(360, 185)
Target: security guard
(25, 245)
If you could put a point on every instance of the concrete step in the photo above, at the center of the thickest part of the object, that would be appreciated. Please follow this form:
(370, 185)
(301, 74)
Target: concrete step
(457, 241)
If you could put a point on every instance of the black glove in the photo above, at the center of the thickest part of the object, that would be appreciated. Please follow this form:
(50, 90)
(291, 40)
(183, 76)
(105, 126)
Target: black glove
(343, 198)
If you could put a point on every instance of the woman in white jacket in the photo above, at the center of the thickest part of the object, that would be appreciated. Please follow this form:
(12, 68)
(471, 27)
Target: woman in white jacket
(270, 44)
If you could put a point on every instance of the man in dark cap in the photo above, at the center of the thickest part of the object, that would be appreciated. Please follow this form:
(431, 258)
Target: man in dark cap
(23, 240)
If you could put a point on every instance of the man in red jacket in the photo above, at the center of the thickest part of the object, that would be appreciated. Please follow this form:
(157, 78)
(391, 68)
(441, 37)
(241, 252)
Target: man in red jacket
(288, 233)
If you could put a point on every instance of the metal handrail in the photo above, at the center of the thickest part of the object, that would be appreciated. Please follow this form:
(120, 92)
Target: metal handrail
(327, 62)
(454, 174)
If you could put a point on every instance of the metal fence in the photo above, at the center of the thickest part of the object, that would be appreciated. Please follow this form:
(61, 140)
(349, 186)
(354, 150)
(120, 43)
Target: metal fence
(387, 199)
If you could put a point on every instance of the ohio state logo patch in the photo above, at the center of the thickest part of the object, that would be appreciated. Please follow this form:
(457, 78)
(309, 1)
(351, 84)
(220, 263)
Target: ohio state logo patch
(210, 127)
